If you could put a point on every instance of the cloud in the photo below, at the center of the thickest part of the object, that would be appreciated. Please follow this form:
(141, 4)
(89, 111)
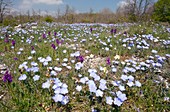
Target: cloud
(122, 4)
(48, 2)
(27, 4)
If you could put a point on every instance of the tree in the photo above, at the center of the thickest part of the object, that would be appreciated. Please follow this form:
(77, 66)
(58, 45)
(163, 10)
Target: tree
(135, 9)
(162, 11)
(4, 8)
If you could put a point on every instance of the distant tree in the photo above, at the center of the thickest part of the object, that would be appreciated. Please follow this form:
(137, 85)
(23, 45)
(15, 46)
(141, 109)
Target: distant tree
(5, 6)
(135, 9)
(162, 11)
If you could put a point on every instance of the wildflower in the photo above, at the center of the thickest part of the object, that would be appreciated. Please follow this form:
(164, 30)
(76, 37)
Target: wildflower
(108, 61)
(79, 88)
(15, 58)
(120, 98)
(137, 83)
(53, 46)
(117, 57)
(154, 51)
(78, 65)
(57, 69)
(122, 88)
(33, 52)
(46, 84)
(58, 98)
(44, 36)
(80, 58)
(109, 100)
(114, 70)
(36, 77)
(91, 29)
(124, 77)
(13, 42)
(84, 80)
(7, 77)
(55, 33)
(22, 77)
(99, 93)
(92, 86)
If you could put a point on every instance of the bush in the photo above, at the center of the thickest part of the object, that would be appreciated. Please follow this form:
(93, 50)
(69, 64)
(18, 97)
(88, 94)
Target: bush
(49, 19)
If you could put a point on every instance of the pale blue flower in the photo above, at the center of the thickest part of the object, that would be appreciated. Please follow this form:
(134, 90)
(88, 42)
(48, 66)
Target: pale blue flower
(22, 77)
(58, 98)
(99, 93)
(79, 88)
(137, 83)
(84, 80)
(78, 65)
(36, 77)
(92, 86)
(122, 88)
(120, 98)
(124, 77)
(109, 100)
(46, 84)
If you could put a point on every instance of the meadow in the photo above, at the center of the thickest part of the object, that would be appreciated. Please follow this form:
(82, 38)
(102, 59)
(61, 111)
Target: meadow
(80, 67)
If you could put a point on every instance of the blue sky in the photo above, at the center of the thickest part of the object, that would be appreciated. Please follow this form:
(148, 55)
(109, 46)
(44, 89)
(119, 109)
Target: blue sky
(53, 5)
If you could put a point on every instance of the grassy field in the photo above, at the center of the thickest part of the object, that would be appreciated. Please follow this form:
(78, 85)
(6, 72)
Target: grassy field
(85, 68)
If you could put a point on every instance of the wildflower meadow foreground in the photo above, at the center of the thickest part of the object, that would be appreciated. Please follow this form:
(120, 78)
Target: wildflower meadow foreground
(85, 68)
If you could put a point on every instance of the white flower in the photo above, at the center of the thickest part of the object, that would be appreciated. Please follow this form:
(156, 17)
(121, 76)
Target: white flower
(114, 70)
(64, 51)
(18, 52)
(30, 57)
(116, 83)
(79, 88)
(84, 80)
(154, 51)
(106, 48)
(137, 83)
(65, 59)
(65, 100)
(69, 67)
(36, 77)
(64, 64)
(48, 58)
(109, 100)
(58, 98)
(33, 52)
(124, 77)
(99, 93)
(22, 77)
(45, 63)
(46, 84)
(57, 69)
(53, 73)
(130, 83)
(92, 86)
(120, 98)
(78, 65)
(122, 88)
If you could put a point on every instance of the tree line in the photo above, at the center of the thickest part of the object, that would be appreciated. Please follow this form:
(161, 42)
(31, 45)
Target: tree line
(128, 11)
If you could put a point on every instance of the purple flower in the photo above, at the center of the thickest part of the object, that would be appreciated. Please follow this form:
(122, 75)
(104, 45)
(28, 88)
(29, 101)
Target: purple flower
(53, 46)
(7, 77)
(6, 40)
(44, 36)
(113, 31)
(15, 58)
(49, 33)
(80, 58)
(13, 42)
(91, 29)
(59, 42)
(32, 48)
(125, 33)
(108, 61)
(55, 33)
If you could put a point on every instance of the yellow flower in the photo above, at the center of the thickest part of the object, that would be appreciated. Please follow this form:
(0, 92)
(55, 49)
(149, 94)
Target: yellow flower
(105, 69)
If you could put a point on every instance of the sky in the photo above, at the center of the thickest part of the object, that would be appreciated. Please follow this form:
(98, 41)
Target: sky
(80, 6)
